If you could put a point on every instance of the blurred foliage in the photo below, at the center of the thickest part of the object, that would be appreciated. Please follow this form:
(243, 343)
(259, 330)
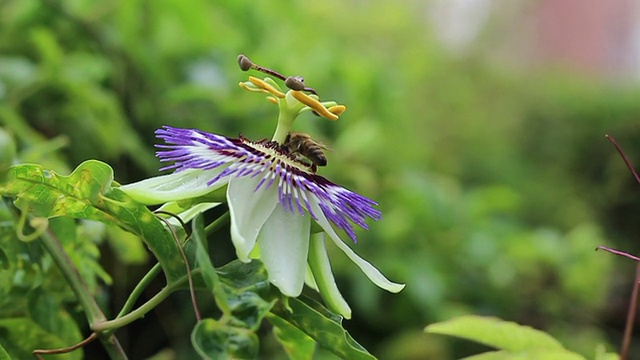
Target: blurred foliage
(512, 341)
(495, 185)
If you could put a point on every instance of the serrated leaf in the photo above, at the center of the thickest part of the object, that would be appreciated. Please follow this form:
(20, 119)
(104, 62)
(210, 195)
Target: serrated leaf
(534, 354)
(20, 335)
(504, 335)
(88, 193)
(216, 340)
(296, 343)
(321, 325)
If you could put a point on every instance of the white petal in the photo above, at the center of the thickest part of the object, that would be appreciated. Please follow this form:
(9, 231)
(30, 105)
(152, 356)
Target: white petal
(369, 270)
(187, 214)
(321, 268)
(249, 210)
(177, 186)
(284, 245)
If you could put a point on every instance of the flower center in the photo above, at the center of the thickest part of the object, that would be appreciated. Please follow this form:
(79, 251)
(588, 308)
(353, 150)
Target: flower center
(280, 154)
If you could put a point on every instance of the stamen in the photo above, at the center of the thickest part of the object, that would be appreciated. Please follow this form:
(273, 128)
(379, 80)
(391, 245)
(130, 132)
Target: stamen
(271, 99)
(262, 84)
(297, 83)
(314, 104)
(337, 109)
(246, 64)
(250, 88)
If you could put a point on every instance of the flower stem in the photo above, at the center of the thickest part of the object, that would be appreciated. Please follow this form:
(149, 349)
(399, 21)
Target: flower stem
(89, 304)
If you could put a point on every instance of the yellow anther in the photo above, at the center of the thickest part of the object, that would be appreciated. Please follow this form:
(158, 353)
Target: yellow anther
(271, 99)
(249, 88)
(314, 104)
(261, 84)
(337, 109)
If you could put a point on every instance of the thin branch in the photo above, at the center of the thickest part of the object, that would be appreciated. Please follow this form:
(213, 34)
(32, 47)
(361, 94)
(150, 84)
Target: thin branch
(619, 253)
(631, 316)
(633, 304)
(192, 291)
(624, 157)
(69, 349)
(137, 291)
(88, 303)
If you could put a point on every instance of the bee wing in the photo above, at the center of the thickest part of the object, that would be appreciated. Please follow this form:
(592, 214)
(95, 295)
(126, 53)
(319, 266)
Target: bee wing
(323, 146)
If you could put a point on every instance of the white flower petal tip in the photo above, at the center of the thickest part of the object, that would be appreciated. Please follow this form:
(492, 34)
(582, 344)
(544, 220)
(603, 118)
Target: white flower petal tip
(177, 186)
(369, 270)
(284, 245)
(324, 280)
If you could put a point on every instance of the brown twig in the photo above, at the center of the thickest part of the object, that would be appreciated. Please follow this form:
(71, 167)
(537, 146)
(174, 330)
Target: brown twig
(619, 253)
(624, 157)
(192, 291)
(69, 349)
(633, 304)
(631, 316)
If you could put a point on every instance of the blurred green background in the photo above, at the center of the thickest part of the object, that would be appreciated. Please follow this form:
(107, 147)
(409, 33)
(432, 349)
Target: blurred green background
(487, 156)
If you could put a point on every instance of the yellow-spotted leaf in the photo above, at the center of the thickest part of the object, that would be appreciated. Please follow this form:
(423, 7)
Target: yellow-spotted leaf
(89, 192)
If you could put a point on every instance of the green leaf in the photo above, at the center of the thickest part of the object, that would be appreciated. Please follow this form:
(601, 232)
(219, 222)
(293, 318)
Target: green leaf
(20, 336)
(295, 342)
(602, 354)
(495, 332)
(3, 354)
(88, 193)
(248, 308)
(203, 262)
(239, 275)
(50, 315)
(321, 325)
(534, 354)
(81, 248)
(245, 286)
(126, 246)
(216, 340)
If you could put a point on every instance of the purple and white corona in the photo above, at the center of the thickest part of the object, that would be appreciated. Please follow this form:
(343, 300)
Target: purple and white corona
(280, 207)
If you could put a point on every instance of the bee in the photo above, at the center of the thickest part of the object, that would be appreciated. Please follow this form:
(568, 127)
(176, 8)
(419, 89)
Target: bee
(306, 150)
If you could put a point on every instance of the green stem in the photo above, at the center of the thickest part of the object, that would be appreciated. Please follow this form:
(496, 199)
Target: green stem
(217, 224)
(138, 313)
(126, 313)
(135, 314)
(89, 304)
(137, 291)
